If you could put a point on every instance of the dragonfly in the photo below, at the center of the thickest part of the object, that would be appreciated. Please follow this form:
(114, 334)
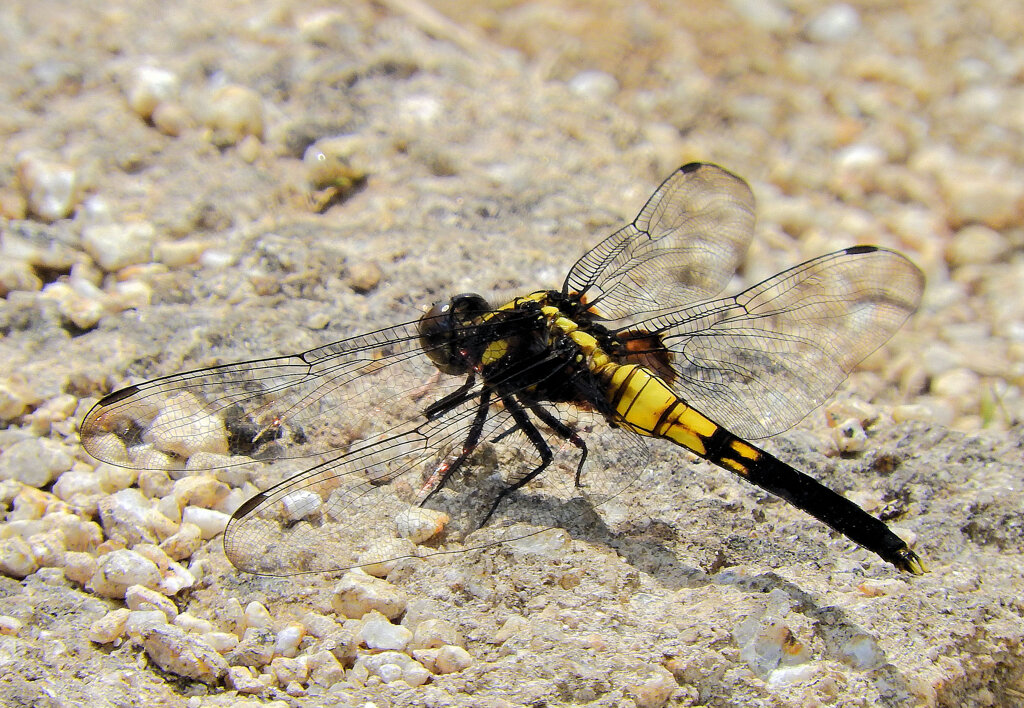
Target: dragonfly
(476, 424)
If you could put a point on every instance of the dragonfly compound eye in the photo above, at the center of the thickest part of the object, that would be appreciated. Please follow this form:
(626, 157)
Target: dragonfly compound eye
(443, 330)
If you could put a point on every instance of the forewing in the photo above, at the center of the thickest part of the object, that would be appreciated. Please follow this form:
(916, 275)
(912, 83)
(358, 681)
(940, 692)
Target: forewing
(683, 246)
(284, 407)
(762, 360)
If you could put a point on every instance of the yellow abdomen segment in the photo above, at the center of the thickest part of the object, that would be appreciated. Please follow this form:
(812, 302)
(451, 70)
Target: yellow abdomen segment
(646, 405)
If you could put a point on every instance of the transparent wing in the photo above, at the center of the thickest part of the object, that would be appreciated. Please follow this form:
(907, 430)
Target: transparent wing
(351, 466)
(762, 360)
(683, 246)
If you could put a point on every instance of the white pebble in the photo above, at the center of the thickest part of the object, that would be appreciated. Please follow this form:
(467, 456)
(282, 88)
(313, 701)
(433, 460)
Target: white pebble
(118, 570)
(221, 641)
(109, 627)
(127, 515)
(178, 253)
(16, 558)
(183, 428)
(139, 597)
(391, 666)
(150, 86)
(257, 615)
(288, 670)
(452, 659)
(378, 633)
(419, 524)
(434, 632)
(79, 534)
(129, 295)
(765, 14)
(594, 85)
(834, 24)
(318, 625)
(288, 639)
(141, 620)
(976, 245)
(849, 436)
(183, 654)
(175, 579)
(79, 566)
(114, 246)
(191, 623)
(382, 556)
(358, 593)
(35, 462)
(211, 523)
(232, 113)
(52, 189)
(786, 675)
(183, 544)
(200, 490)
(14, 400)
(301, 504)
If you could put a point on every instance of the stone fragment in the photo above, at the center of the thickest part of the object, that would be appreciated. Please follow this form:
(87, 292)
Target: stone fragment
(358, 593)
(178, 652)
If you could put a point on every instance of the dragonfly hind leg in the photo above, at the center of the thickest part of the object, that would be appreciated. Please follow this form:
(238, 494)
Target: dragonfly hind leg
(517, 408)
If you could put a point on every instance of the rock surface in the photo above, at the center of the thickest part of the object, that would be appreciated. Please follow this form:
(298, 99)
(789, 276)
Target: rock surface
(221, 181)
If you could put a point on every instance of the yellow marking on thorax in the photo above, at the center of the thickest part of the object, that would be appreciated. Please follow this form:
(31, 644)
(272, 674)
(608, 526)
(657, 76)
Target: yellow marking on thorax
(494, 352)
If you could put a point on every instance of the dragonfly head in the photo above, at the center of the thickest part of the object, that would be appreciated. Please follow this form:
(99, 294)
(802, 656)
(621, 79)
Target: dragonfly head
(442, 331)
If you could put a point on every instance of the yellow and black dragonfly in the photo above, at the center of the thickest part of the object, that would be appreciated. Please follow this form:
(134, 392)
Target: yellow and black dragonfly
(474, 414)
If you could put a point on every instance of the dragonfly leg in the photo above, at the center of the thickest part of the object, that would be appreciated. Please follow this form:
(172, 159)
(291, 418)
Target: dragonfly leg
(468, 446)
(564, 431)
(452, 400)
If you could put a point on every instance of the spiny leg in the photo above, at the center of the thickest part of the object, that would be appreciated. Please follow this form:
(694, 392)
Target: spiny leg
(564, 431)
(523, 423)
(469, 445)
(452, 400)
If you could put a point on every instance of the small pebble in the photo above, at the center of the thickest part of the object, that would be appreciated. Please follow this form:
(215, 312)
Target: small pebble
(594, 85)
(656, 690)
(318, 625)
(433, 633)
(288, 639)
(382, 556)
(391, 666)
(232, 113)
(191, 623)
(201, 490)
(221, 641)
(849, 436)
(835, 23)
(79, 567)
(10, 626)
(34, 461)
(325, 669)
(114, 246)
(149, 87)
(243, 680)
(288, 670)
(182, 428)
(378, 633)
(976, 245)
(176, 254)
(188, 655)
(256, 648)
(364, 276)
(419, 524)
(301, 504)
(118, 570)
(139, 597)
(358, 593)
(451, 659)
(257, 615)
(171, 118)
(183, 544)
(52, 189)
(110, 627)
(141, 620)
(14, 400)
(16, 558)
(211, 523)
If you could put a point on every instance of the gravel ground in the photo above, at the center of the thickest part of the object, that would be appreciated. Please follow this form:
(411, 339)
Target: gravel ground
(188, 185)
